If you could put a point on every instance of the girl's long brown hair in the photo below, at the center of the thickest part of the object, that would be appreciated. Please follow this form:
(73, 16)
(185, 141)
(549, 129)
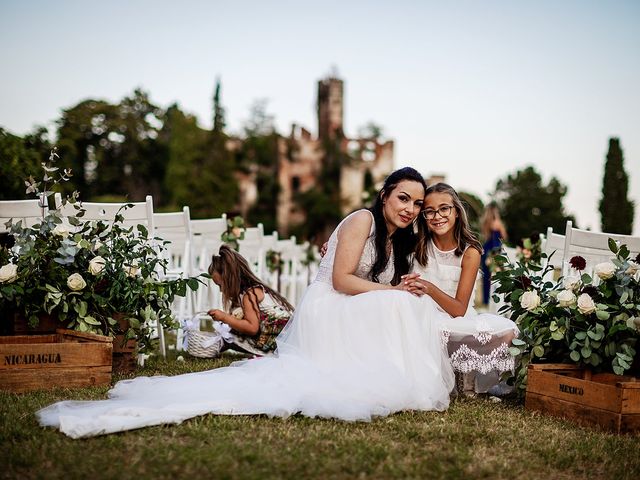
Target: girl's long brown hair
(238, 279)
(462, 233)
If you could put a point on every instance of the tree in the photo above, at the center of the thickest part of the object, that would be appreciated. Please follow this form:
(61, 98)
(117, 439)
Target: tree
(527, 205)
(475, 207)
(19, 159)
(218, 109)
(200, 169)
(616, 210)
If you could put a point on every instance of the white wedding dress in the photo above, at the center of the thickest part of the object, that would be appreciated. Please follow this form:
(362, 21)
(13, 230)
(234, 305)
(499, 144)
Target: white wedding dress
(477, 342)
(344, 357)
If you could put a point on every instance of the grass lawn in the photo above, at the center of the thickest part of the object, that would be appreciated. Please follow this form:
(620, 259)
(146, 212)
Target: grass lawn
(475, 438)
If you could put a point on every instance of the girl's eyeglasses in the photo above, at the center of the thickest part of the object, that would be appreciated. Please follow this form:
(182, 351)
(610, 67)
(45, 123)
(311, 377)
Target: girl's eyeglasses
(444, 211)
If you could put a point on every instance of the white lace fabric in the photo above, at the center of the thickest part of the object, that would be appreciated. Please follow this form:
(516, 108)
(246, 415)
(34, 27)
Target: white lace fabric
(476, 342)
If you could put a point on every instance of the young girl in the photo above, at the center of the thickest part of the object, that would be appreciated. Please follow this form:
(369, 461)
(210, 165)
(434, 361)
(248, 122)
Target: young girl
(259, 313)
(446, 263)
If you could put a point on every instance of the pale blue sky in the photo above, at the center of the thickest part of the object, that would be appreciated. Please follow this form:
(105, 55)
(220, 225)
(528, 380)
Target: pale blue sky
(470, 89)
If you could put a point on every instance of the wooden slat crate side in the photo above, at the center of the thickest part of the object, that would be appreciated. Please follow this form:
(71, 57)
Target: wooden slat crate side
(26, 380)
(75, 336)
(22, 339)
(631, 398)
(574, 390)
(582, 414)
(50, 356)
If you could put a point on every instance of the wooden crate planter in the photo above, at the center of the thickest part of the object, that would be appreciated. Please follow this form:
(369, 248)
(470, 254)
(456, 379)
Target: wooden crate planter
(64, 359)
(607, 400)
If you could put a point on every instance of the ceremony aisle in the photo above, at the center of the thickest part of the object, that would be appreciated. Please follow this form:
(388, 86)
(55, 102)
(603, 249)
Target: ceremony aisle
(475, 438)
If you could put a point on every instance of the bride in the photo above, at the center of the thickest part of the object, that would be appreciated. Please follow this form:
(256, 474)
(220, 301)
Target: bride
(357, 346)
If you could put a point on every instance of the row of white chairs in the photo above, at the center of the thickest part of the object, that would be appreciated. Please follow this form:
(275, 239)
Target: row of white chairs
(189, 248)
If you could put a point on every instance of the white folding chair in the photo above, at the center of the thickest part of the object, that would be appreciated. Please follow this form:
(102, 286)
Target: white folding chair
(289, 276)
(206, 236)
(175, 228)
(553, 246)
(30, 212)
(252, 249)
(593, 246)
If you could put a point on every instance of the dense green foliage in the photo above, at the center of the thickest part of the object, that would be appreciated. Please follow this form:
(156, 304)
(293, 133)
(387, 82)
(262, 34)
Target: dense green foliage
(528, 205)
(616, 210)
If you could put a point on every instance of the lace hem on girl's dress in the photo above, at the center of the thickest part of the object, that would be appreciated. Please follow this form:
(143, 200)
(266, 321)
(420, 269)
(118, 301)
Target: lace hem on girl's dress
(466, 360)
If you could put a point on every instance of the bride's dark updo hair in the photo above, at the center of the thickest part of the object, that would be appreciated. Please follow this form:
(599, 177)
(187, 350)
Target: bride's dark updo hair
(404, 239)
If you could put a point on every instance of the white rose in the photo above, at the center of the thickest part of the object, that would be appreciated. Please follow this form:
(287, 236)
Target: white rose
(605, 270)
(132, 269)
(61, 231)
(238, 313)
(8, 273)
(571, 283)
(530, 300)
(96, 265)
(566, 298)
(632, 269)
(586, 304)
(75, 282)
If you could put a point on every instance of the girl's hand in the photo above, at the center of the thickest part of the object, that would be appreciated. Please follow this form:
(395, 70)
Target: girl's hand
(417, 286)
(216, 314)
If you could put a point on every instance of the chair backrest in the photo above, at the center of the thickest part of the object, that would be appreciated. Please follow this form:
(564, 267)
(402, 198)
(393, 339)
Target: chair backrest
(139, 213)
(206, 236)
(175, 227)
(252, 249)
(594, 246)
(29, 211)
(554, 245)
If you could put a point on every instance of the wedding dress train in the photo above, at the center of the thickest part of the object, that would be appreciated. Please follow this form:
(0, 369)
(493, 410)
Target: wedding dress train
(345, 357)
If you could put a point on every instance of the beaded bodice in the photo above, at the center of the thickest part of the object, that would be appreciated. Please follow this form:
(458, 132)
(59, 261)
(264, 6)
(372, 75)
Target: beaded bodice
(367, 259)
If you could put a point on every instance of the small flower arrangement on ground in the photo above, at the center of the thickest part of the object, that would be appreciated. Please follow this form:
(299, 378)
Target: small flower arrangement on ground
(234, 233)
(594, 322)
(86, 274)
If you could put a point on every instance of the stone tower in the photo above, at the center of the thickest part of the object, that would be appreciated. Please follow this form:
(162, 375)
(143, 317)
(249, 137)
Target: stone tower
(330, 108)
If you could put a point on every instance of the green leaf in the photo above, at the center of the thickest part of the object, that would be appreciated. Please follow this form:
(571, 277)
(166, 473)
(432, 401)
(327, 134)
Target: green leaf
(618, 370)
(91, 320)
(586, 278)
(557, 335)
(602, 315)
(581, 335)
(538, 351)
(575, 356)
(613, 246)
(517, 341)
(514, 351)
(586, 352)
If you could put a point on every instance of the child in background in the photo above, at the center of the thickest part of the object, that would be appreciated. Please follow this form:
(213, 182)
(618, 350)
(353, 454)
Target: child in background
(258, 312)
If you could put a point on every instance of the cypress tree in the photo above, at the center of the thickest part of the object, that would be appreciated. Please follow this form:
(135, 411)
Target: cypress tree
(616, 210)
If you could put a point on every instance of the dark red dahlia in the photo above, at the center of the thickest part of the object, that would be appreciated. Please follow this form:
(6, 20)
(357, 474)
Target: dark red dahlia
(524, 281)
(590, 290)
(578, 262)
(534, 237)
(637, 260)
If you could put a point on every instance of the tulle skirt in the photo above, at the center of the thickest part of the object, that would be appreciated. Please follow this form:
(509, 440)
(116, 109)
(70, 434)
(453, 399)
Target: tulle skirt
(344, 357)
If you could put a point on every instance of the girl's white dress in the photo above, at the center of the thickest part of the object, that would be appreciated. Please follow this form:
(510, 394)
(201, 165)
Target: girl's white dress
(345, 357)
(476, 342)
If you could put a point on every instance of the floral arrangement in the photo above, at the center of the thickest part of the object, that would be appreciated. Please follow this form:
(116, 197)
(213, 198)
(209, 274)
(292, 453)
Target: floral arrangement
(86, 274)
(591, 321)
(529, 250)
(234, 233)
(274, 261)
